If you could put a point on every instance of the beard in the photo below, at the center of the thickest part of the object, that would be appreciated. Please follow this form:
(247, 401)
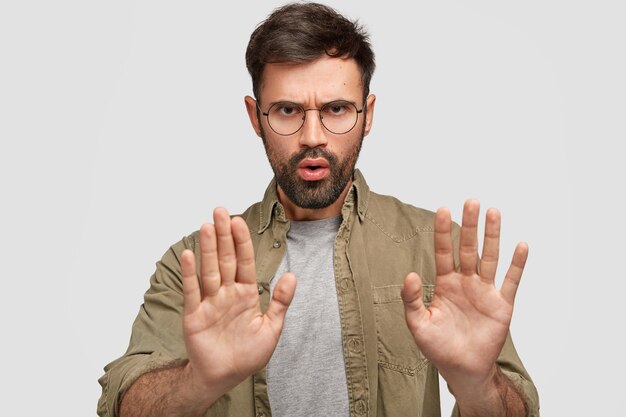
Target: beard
(313, 194)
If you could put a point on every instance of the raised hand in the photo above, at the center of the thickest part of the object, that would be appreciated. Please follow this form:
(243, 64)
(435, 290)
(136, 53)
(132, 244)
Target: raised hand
(464, 328)
(227, 336)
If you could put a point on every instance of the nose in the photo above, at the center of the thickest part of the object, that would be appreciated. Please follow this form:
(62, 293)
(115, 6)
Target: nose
(312, 133)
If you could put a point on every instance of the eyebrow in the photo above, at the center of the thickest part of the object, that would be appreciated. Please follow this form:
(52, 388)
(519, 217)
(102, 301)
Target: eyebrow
(303, 106)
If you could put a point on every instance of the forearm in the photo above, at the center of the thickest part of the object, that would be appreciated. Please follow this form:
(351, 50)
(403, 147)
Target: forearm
(499, 398)
(167, 392)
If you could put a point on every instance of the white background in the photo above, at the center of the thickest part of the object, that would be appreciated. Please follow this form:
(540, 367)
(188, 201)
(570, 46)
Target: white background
(122, 126)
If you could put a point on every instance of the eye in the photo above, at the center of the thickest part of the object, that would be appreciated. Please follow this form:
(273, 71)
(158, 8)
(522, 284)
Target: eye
(338, 108)
(286, 109)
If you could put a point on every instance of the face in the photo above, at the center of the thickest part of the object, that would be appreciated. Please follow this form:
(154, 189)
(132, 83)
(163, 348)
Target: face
(313, 166)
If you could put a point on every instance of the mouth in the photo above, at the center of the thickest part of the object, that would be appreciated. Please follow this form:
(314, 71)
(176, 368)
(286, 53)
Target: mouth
(313, 169)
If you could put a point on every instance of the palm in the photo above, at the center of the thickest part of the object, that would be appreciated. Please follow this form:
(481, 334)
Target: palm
(464, 314)
(218, 322)
(226, 334)
(465, 326)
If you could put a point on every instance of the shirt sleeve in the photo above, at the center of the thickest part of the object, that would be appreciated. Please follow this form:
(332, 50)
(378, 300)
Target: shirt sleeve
(157, 337)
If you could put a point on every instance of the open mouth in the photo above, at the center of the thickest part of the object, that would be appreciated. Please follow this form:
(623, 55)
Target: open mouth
(316, 163)
(313, 169)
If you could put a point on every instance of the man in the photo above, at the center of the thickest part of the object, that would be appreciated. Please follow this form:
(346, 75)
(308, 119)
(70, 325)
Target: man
(388, 296)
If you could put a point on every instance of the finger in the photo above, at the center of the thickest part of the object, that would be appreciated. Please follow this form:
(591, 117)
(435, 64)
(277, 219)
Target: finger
(227, 258)
(468, 241)
(246, 270)
(514, 274)
(491, 246)
(444, 248)
(414, 307)
(191, 286)
(281, 299)
(209, 268)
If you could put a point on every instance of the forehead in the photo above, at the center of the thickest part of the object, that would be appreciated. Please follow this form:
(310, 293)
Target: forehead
(322, 80)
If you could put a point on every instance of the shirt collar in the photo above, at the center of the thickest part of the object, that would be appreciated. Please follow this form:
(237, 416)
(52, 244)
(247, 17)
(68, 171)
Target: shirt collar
(271, 207)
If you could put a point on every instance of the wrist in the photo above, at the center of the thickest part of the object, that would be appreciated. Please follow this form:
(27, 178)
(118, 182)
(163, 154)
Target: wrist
(495, 396)
(472, 392)
(203, 389)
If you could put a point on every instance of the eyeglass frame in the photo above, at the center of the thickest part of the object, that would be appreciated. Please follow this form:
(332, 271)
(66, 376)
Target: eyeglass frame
(356, 120)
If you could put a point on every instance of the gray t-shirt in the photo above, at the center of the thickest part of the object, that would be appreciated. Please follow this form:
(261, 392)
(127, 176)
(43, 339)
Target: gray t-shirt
(306, 374)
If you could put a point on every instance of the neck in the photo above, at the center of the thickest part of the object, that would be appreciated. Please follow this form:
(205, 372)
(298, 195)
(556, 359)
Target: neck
(296, 213)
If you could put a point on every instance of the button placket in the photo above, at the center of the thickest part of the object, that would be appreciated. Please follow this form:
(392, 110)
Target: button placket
(351, 317)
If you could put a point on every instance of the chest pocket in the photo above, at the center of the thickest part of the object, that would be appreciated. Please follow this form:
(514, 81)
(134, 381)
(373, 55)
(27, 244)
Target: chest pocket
(396, 347)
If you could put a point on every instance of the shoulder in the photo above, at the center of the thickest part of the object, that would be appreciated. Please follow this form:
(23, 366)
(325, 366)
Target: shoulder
(192, 241)
(398, 220)
(253, 216)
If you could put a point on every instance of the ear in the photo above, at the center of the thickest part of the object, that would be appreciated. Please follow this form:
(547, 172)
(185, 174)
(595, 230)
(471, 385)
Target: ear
(369, 117)
(253, 115)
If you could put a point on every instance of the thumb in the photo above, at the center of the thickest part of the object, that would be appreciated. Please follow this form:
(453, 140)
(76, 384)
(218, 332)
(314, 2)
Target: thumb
(412, 297)
(281, 298)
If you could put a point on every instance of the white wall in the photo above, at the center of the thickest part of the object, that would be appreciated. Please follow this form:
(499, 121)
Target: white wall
(122, 125)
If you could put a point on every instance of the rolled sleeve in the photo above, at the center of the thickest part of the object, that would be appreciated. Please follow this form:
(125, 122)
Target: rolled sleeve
(122, 373)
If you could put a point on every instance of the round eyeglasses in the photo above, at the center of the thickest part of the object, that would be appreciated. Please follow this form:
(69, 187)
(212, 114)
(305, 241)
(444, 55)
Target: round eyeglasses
(286, 118)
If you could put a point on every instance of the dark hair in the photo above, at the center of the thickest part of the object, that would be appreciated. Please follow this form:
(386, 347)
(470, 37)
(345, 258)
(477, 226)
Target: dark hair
(304, 32)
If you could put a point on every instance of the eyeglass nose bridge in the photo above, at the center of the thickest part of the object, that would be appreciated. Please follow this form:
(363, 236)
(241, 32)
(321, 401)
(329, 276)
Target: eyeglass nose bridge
(311, 109)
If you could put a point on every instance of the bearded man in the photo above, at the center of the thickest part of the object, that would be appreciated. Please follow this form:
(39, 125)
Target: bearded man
(388, 296)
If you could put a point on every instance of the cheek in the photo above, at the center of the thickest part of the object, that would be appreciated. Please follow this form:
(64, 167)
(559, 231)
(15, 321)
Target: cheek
(350, 146)
(278, 151)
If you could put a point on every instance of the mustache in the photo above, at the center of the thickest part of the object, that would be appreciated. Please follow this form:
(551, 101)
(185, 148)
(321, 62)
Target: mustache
(312, 153)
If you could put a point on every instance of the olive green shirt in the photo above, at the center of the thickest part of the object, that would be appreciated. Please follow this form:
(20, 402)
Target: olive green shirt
(379, 242)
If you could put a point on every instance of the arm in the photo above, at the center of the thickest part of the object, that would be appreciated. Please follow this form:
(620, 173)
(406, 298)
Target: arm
(227, 338)
(168, 391)
(465, 327)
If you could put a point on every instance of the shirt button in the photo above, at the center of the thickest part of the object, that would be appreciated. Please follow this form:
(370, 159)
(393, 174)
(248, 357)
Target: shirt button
(276, 244)
(344, 284)
(360, 407)
(354, 345)
(261, 289)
